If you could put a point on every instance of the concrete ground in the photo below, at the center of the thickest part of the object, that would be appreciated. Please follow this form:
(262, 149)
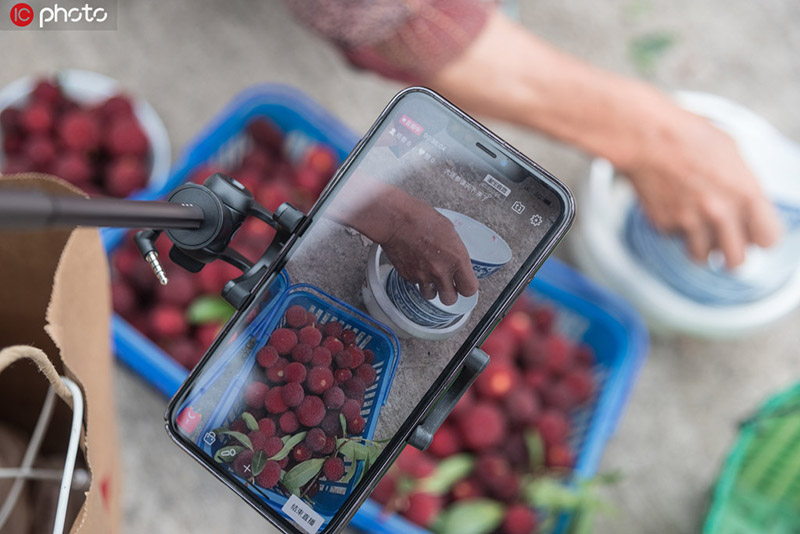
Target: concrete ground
(189, 58)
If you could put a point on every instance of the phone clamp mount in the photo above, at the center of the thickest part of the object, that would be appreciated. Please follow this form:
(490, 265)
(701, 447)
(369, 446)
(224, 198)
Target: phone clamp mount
(225, 204)
(201, 221)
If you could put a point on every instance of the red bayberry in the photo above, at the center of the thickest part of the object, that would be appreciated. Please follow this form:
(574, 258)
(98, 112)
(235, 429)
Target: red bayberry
(485, 428)
(423, 508)
(267, 356)
(356, 425)
(311, 411)
(241, 464)
(319, 379)
(316, 439)
(289, 423)
(560, 457)
(302, 353)
(296, 316)
(519, 519)
(295, 372)
(277, 373)
(293, 394)
(284, 340)
(273, 446)
(332, 329)
(445, 442)
(559, 355)
(125, 176)
(46, 92)
(581, 383)
(333, 398)
(75, 168)
(333, 345)
(558, 395)
(351, 408)
(168, 321)
(468, 488)
(270, 475)
(310, 335)
(385, 490)
(343, 375)
(266, 426)
(496, 381)
(273, 401)
(257, 439)
(331, 424)
(344, 360)
(79, 130)
(301, 453)
(333, 469)
(126, 137)
(321, 357)
(522, 406)
(354, 388)
(348, 337)
(41, 152)
(37, 119)
(330, 446)
(369, 356)
(500, 345)
(553, 427)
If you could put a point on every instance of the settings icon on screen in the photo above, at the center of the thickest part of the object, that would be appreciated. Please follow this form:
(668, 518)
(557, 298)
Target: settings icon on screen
(536, 220)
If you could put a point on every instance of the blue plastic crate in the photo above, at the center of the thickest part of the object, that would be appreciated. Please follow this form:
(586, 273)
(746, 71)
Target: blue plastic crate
(370, 334)
(585, 313)
(222, 142)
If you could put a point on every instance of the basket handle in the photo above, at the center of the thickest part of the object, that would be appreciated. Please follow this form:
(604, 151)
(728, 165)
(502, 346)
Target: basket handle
(476, 362)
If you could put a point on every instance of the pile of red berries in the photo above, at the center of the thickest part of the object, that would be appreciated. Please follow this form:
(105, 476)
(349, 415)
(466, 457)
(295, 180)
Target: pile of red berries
(536, 378)
(100, 148)
(159, 312)
(310, 382)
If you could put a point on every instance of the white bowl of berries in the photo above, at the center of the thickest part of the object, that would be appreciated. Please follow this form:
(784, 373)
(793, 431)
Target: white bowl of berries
(82, 127)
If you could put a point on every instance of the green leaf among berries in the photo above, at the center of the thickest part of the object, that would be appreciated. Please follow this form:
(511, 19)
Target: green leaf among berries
(475, 516)
(241, 438)
(258, 462)
(447, 473)
(250, 421)
(289, 443)
(299, 475)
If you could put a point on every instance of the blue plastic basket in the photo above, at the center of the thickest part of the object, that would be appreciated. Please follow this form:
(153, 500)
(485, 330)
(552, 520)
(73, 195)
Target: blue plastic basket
(369, 335)
(592, 315)
(222, 142)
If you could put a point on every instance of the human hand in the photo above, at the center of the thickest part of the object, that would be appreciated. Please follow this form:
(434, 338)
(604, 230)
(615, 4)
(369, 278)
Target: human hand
(691, 179)
(426, 249)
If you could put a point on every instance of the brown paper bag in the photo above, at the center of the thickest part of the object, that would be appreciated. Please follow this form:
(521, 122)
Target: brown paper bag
(54, 296)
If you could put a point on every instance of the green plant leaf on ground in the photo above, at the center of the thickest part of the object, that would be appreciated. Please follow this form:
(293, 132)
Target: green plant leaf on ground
(474, 516)
(208, 309)
(649, 48)
(447, 473)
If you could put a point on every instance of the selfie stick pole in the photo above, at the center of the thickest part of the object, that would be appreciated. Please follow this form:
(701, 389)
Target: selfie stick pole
(200, 220)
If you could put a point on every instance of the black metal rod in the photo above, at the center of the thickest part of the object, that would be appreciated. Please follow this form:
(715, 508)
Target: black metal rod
(35, 209)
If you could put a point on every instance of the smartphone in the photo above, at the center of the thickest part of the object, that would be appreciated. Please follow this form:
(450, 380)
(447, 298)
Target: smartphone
(414, 251)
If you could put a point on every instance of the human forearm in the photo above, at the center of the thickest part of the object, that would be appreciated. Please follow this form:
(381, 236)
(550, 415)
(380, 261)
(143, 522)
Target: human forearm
(510, 74)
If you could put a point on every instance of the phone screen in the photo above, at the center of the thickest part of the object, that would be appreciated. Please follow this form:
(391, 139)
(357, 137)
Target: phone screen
(428, 226)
